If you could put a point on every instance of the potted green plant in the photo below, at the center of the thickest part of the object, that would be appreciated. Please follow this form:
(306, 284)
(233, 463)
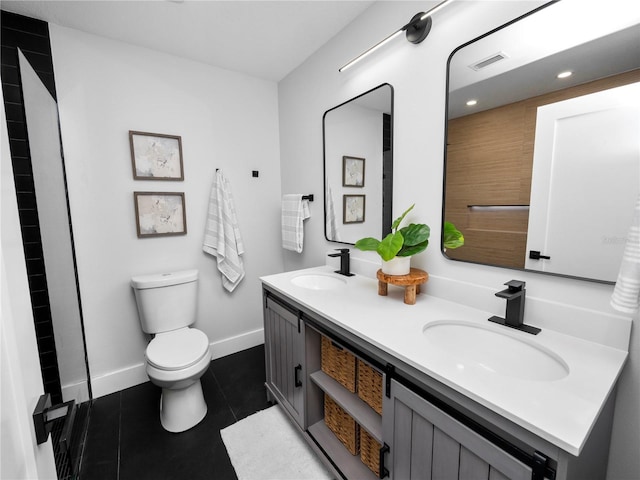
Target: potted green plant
(397, 248)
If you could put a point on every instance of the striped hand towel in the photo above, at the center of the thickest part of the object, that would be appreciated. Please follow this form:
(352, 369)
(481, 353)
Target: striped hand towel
(626, 293)
(222, 237)
(295, 211)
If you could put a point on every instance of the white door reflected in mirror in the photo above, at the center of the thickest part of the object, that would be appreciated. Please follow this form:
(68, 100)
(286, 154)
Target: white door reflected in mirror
(597, 137)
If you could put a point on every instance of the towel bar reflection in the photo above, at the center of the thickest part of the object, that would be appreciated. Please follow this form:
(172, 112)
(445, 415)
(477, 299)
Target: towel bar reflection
(498, 207)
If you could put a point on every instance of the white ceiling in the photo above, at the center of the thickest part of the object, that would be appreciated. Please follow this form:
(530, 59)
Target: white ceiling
(267, 39)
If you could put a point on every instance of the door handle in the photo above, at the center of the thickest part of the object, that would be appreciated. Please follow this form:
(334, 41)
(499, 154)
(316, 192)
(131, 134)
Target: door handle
(536, 255)
(384, 472)
(296, 371)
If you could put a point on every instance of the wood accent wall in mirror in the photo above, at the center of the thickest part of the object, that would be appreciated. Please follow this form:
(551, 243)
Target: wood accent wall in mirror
(358, 165)
(541, 166)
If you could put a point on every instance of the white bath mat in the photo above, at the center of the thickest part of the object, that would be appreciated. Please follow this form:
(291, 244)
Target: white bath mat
(266, 446)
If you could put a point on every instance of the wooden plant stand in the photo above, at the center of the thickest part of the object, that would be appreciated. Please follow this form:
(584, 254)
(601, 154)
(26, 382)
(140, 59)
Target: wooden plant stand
(411, 283)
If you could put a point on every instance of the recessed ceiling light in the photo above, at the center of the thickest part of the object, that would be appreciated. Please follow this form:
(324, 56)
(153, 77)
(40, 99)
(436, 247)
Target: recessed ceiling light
(565, 74)
(471, 103)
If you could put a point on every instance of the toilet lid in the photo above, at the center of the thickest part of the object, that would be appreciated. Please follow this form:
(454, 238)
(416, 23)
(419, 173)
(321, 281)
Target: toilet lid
(177, 349)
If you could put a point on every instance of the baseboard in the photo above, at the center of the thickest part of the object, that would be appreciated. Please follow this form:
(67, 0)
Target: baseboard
(119, 380)
(235, 344)
(135, 375)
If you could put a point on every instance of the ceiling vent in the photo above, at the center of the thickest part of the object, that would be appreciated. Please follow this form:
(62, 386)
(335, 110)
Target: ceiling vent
(496, 57)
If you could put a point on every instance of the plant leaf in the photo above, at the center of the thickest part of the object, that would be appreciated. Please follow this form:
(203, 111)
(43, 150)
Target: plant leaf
(397, 221)
(390, 246)
(408, 251)
(415, 233)
(367, 244)
(452, 237)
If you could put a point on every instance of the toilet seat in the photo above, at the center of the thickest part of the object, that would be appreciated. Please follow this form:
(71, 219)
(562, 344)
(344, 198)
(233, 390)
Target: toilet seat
(178, 349)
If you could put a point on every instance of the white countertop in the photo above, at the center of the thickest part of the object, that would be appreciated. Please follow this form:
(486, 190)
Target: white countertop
(562, 411)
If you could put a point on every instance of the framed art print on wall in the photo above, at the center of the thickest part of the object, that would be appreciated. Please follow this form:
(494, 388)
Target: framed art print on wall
(353, 208)
(155, 156)
(352, 171)
(160, 214)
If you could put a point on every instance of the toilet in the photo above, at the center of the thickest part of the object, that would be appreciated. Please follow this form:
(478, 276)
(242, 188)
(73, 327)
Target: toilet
(178, 355)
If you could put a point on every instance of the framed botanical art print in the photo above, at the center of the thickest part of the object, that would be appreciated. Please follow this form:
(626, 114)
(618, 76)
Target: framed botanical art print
(155, 156)
(353, 208)
(160, 214)
(352, 171)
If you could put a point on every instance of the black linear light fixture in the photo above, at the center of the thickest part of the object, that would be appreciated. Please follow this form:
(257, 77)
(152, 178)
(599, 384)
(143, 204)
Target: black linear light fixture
(416, 31)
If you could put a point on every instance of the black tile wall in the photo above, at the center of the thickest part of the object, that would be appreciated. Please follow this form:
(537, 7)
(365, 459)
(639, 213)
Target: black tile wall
(32, 37)
(386, 132)
(24, 183)
(19, 152)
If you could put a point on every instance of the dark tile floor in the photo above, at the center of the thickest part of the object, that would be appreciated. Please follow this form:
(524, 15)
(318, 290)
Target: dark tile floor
(126, 441)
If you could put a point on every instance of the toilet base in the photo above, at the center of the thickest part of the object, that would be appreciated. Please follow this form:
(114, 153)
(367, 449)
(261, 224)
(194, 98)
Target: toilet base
(183, 408)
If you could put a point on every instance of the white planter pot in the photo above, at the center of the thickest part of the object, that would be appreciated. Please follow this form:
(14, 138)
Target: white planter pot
(397, 266)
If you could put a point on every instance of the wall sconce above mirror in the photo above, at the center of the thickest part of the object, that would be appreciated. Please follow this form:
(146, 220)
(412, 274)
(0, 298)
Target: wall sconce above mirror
(415, 31)
(358, 166)
(542, 171)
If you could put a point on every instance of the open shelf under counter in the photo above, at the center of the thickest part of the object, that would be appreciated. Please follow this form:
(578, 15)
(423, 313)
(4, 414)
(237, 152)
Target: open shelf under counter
(362, 413)
(350, 465)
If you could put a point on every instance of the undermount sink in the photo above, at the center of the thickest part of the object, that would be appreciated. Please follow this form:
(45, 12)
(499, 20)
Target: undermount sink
(318, 281)
(475, 346)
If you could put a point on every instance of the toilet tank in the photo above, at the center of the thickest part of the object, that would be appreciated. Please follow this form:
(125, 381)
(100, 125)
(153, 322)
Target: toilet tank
(166, 301)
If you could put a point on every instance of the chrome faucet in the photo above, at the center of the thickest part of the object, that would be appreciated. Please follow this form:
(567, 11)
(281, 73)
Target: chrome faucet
(344, 261)
(514, 317)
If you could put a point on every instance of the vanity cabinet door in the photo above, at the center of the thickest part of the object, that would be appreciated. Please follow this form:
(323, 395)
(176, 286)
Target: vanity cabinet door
(284, 351)
(426, 443)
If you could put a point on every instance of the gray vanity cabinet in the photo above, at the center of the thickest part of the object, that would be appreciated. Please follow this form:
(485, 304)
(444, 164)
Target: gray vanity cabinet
(426, 443)
(427, 431)
(284, 357)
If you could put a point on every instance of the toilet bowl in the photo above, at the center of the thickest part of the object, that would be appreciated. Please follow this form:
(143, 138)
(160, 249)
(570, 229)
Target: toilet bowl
(178, 355)
(175, 361)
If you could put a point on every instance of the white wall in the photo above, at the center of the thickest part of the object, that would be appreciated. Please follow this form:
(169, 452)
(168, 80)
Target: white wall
(226, 120)
(417, 73)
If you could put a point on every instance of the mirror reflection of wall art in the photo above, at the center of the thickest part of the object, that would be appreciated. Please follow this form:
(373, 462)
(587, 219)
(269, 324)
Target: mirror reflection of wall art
(156, 156)
(352, 172)
(160, 214)
(353, 208)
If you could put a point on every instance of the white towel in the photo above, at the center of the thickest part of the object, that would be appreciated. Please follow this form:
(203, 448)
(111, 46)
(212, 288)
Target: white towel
(626, 293)
(331, 225)
(222, 237)
(295, 211)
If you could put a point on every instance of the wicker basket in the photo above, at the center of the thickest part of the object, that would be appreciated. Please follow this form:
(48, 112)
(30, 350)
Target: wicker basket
(370, 452)
(339, 364)
(370, 386)
(342, 425)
